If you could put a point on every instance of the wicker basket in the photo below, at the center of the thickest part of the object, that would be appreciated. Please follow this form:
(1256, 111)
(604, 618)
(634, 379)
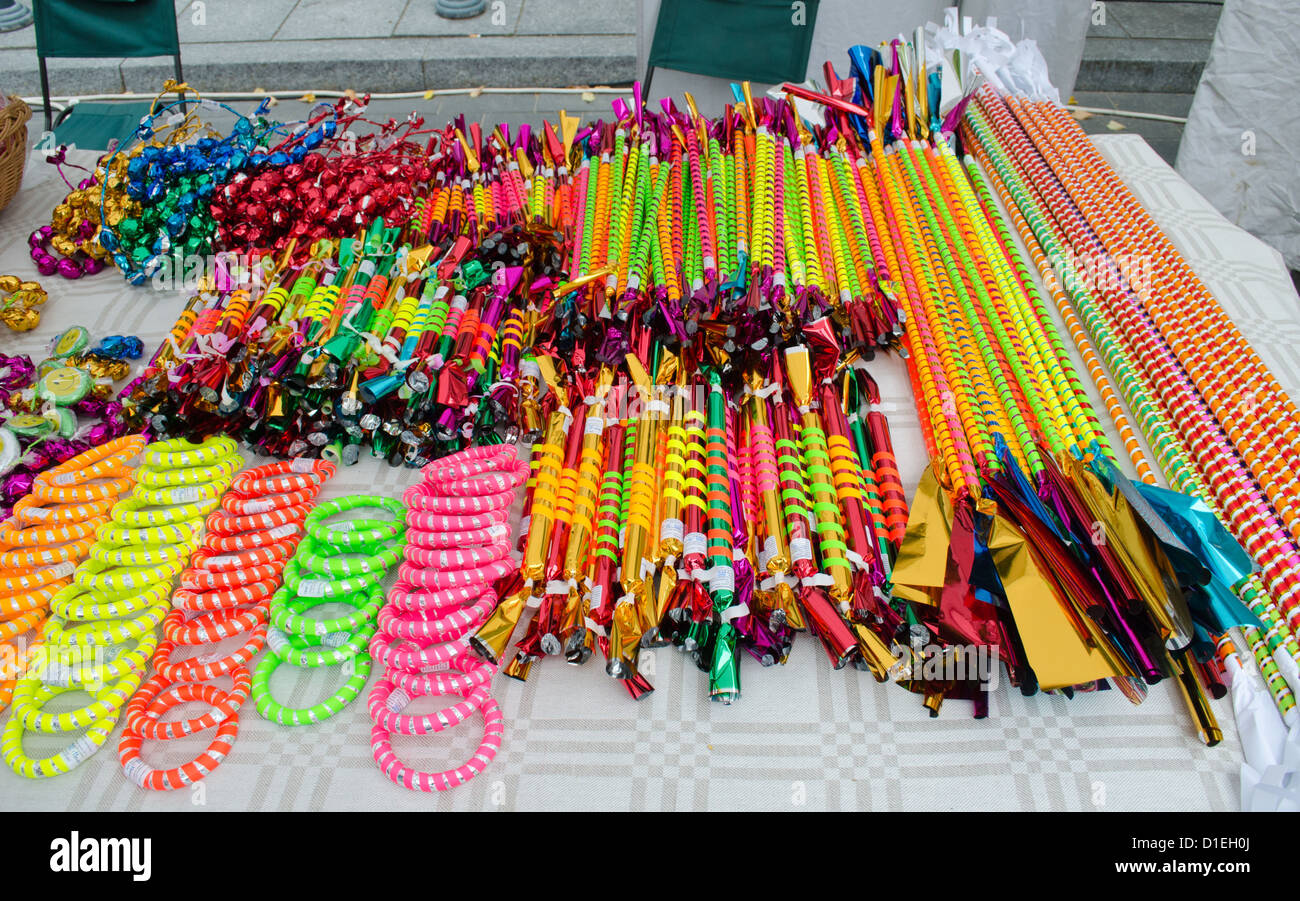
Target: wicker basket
(13, 147)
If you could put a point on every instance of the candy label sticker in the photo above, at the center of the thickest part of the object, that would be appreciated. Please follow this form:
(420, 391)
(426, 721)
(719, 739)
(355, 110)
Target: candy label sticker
(397, 700)
(695, 543)
(277, 640)
(722, 578)
(801, 549)
(187, 494)
(671, 530)
(78, 751)
(71, 341)
(137, 771)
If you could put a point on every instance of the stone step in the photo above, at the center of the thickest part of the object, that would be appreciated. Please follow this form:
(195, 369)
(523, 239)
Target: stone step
(1169, 20)
(1147, 65)
(1155, 46)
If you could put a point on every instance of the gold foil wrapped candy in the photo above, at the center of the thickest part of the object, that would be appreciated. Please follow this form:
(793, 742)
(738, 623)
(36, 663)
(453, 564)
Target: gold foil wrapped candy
(18, 309)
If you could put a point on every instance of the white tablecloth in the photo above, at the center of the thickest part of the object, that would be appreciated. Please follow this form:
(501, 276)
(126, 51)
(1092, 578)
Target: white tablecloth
(802, 737)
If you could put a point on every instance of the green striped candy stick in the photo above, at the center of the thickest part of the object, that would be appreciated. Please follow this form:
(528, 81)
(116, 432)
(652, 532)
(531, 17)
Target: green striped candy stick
(972, 324)
(724, 674)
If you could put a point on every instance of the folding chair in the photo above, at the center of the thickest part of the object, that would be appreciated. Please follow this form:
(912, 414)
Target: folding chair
(93, 126)
(98, 29)
(743, 40)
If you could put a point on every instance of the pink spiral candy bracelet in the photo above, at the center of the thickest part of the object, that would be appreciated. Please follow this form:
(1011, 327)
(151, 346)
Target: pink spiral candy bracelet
(457, 551)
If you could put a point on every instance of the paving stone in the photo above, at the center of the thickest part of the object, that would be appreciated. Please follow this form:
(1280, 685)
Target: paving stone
(420, 20)
(532, 61)
(217, 22)
(313, 20)
(23, 37)
(591, 17)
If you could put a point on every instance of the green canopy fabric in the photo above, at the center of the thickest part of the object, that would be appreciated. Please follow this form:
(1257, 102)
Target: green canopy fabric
(91, 126)
(95, 29)
(99, 29)
(743, 40)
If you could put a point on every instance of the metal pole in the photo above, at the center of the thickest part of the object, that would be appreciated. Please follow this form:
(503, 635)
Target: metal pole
(458, 9)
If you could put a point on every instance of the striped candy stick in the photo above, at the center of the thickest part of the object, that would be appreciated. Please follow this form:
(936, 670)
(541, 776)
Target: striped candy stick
(1259, 443)
(949, 439)
(1069, 385)
(1000, 396)
(1027, 336)
(1008, 360)
(1173, 459)
(969, 398)
(724, 670)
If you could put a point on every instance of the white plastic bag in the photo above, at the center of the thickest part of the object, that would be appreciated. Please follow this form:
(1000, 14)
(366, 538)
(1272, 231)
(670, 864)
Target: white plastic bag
(1241, 146)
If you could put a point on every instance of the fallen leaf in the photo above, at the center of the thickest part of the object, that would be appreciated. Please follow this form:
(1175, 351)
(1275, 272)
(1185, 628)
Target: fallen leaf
(428, 95)
(259, 90)
(309, 97)
(1115, 126)
(1080, 114)
(588, 96)
(476, 92)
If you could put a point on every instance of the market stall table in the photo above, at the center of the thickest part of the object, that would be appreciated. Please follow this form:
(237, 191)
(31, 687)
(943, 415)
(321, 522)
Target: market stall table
(802, 735)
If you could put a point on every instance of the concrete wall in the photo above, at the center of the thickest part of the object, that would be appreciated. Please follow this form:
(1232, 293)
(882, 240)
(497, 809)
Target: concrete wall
(1058, 25)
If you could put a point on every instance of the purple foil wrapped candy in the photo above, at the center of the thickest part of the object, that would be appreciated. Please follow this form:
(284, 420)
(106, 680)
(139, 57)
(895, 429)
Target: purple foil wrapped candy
(16, 372)
(15, 486)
